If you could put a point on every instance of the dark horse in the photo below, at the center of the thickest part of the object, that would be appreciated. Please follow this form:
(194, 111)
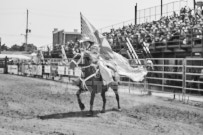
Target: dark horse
(94, 85)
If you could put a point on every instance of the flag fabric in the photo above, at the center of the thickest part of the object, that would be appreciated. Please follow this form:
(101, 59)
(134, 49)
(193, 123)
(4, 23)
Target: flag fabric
(64, 57)
(105, 48)
(49, 50)
(87, 29)
(39, 57)
(124, 68)
(42, 56)
(109, 57)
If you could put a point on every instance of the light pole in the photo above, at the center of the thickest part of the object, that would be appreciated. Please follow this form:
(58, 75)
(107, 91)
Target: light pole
(136, 14)
(0, 45)
(161, 8)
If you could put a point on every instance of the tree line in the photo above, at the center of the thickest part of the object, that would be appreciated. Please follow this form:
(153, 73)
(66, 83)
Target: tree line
(15, 47)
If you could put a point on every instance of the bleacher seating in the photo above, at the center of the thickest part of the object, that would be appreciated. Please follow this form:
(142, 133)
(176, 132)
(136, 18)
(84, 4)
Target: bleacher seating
(181, 29)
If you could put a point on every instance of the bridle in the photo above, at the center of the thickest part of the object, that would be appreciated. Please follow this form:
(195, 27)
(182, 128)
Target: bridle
(83, 80)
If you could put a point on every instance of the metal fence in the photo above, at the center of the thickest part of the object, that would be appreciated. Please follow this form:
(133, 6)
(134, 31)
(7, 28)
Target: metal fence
(193, 73)
(150, 14)
(180, 76)
(154, 13)
(177, 76)
(182, 38)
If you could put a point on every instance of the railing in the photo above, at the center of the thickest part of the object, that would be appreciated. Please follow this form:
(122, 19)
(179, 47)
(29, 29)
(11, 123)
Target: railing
(167, 75)
(177, 76)
(150, 14)
(193, 75)
(192, 39)
(154, 13)
(182, 76)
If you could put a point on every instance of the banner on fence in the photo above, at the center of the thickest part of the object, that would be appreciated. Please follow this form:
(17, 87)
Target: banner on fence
(77, 72)
(61, 70)
(13, 69)
(9, 69)
(21, 68)
(69, 71)
(34, 70)
(39, 70)
(54, 70)
(47, 69)
(1, 70)
(28, 69)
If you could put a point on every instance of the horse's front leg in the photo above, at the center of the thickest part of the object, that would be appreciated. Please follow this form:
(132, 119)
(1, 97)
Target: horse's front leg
(81, 105)
(104, 101)
(91, 103)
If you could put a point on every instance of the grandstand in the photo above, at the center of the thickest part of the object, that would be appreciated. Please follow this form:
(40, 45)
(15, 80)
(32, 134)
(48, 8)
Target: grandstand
(175, 33)
(176, 36)
(170, 39)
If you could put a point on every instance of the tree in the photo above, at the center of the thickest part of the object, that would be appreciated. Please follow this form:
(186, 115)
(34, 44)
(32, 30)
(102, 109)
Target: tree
(4, 47)
(15, 47)
(30, 47)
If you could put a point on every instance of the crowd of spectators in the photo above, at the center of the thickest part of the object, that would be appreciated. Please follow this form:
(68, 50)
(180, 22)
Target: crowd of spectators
(175, 29)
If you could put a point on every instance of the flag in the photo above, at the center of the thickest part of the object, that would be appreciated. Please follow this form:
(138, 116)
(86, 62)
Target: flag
(49, 51)
(87, 29)
(124, 68)
(105, 48)
(39, 57)
(109, 56)
(42, 56)
(64, 57)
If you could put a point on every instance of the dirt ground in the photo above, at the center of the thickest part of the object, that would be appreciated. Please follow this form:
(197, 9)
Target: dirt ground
(30, 106)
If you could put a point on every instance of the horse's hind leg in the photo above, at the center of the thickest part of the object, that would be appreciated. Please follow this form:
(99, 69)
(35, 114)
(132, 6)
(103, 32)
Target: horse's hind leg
(104, 101)
(81, 105)
(117, 97)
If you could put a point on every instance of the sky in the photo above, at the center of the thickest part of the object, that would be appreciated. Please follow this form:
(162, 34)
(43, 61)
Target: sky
(45, 15)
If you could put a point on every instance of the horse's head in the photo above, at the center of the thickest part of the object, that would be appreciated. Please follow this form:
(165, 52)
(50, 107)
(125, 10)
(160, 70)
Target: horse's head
(150, 65)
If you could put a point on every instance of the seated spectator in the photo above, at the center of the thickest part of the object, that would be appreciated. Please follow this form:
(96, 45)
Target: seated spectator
(172, 30)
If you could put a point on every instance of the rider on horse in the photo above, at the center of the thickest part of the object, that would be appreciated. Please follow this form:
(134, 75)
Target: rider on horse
(97, 75)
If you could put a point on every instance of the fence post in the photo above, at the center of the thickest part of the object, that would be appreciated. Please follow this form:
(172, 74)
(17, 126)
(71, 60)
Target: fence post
(161, 8)
(0, 45)
(146, 88)
(202, 43)
(6, 66)
(129, 85)
(136, 14)
(194, 4)
(184, 80)
(146, 84)
(155, 13)
(162, 88)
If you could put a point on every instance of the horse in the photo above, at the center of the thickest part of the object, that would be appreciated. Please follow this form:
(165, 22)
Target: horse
(92, 81)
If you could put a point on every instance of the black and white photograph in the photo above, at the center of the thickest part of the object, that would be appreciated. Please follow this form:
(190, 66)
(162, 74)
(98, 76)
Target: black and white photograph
(101, 67)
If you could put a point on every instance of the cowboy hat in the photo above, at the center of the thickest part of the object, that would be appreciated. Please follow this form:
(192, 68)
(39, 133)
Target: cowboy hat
(85, 39)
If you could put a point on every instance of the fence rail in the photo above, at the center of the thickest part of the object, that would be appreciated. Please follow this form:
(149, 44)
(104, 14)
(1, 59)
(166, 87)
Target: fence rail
(170, 75)
(150, 14)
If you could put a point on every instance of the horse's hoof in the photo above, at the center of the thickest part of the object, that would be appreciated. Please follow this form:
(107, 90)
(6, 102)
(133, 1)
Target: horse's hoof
(82, 106)
(91, 113)
(119, 109)
(102, 111)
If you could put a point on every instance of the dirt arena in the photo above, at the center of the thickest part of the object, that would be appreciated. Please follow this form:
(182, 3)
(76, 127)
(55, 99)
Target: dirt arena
(30, 106)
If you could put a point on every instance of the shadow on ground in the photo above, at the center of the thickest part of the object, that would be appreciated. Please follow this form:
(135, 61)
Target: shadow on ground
(72, 114)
